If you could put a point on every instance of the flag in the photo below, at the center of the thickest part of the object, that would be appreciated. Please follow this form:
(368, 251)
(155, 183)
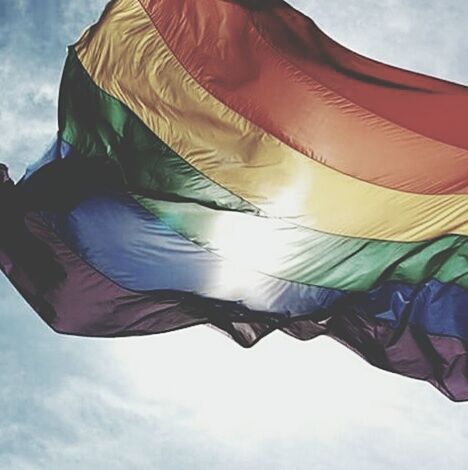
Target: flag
(224, 162)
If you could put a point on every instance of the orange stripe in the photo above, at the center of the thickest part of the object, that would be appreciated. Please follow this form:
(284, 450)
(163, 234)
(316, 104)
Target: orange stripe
(126, 57)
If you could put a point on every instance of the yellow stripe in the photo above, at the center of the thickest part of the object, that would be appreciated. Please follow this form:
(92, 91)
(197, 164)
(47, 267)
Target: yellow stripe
(127, 57)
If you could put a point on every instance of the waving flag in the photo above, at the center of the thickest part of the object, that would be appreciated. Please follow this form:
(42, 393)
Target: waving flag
(225, 162)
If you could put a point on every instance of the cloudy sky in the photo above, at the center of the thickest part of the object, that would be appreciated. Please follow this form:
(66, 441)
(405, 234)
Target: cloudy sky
(193, 399)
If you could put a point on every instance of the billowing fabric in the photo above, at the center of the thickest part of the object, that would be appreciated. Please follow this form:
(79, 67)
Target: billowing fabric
(226, 163)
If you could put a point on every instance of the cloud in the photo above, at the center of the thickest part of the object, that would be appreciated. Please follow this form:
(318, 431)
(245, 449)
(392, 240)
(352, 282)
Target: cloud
(194, 400)
(425, 36)
(32, 49)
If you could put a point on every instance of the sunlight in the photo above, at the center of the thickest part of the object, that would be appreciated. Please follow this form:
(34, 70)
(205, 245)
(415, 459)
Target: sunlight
(281, 386)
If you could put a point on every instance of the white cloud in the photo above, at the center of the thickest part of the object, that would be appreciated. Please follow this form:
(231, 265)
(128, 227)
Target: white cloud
(421, 35)
(32, 49)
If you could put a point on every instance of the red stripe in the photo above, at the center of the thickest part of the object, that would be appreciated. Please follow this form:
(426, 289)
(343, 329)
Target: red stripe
(270, 63)
(435, 108)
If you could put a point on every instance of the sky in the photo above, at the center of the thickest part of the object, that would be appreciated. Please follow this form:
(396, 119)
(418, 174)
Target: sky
(193, 399)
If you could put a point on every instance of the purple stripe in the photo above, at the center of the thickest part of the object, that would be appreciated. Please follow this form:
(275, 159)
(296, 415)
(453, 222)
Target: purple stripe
(409, 351)
(87, 303)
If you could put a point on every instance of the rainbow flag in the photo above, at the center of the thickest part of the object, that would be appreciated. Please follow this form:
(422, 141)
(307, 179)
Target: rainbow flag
(225, 162)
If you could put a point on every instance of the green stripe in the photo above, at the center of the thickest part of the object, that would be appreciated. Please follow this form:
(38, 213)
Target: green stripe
(298, 254)
(97, 124)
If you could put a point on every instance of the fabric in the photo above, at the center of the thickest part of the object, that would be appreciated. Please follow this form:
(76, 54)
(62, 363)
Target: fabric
(225, 162)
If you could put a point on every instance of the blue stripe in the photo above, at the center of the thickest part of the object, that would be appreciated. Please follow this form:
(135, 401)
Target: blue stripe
(437, 308)
(58, 150)
(169, 261)
(139, 252)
